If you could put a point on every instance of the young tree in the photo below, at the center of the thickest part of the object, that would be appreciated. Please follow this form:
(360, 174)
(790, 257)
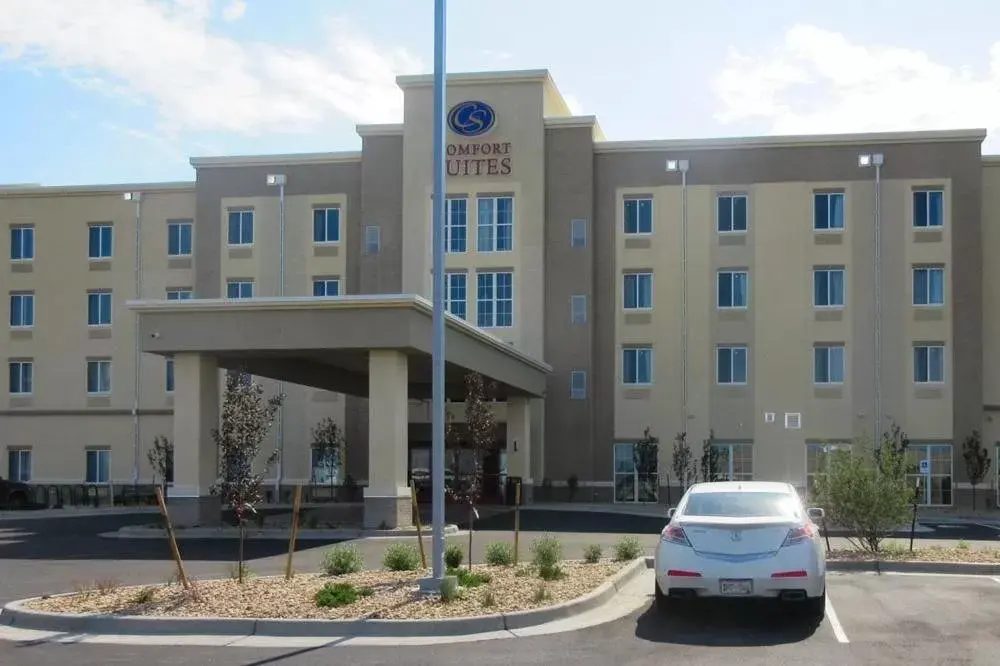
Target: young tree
(645, 456)
(709, 462)
(683, 462)
(246, 418)
(977, 461)
(892, 450)
(161, 459)
(329, 443)
(481, 426)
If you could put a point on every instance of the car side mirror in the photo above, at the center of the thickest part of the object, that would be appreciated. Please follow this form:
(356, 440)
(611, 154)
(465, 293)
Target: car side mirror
(670, 513)
(816, 513)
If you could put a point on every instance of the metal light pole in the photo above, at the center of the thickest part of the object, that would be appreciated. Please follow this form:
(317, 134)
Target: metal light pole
(136, 351)
(279, 421)
(865, 161)
(437, 348)
(682, 166)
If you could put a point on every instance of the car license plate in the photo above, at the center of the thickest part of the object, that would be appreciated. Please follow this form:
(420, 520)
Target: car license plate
(736, 588)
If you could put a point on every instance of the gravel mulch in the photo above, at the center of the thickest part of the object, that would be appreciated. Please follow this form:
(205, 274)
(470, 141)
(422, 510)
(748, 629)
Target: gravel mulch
(929, 554)
(395, 595)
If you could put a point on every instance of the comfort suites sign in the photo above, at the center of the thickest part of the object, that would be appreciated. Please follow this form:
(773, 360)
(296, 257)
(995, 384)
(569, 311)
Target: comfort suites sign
(474, 120)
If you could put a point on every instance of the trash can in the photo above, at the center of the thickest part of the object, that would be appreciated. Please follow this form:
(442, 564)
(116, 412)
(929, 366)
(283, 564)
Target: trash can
(510, 491)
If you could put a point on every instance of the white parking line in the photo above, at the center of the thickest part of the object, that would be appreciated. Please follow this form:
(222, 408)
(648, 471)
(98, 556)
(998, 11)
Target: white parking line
(838, 628)
(992, 527)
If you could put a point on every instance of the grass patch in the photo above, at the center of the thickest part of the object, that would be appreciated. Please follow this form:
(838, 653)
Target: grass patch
(335, 595)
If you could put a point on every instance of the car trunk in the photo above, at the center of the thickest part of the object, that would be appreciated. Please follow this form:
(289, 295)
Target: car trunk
(737, 536)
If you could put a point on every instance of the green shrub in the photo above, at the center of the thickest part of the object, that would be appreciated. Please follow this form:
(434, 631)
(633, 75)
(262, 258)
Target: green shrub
(468, 578)
(542, 593)
(546, 556)
(401, 557)
(340, 560)
(592, 554)
(488, 600)
(449, 589)
(453, 556)
(627, 549)
(500, 554)
(334, 595)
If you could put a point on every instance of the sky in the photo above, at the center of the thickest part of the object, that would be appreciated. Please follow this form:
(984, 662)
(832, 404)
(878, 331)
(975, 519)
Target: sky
(118, 91)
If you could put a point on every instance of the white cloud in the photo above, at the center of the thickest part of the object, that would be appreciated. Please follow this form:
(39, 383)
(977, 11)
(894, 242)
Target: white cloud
(573, 103)
(818, 81)
(234, 10)
(162, 53)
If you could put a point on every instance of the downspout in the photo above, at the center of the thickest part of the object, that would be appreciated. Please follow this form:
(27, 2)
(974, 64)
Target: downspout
(279, 426)
(136, 352)
(878, 302)
(684, 302)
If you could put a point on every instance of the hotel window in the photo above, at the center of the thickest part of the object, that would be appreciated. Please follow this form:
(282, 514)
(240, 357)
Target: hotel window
(19, 465)
(928, 364)
(578, 309)
(239, 289)
(638, 291)
(928, 285)
(731, 364)
(179, 239)
(456, 293)
(22, 376)
(928, 209)
(495, 300)
(326, 225)
(578, 385)
(936, 482)
(22, 243)
(495, 232)
(169, 375)
(828, 364)
(734, 462)
(22, 309)
(179, 294)
(100, 241)
(578, 233)
(326, 286)
(99, 308)
(637, 365)
(732, 291)
(731, 213)
(638, 216)
(828, 287)
(456, 225)
(828, 211)
(373, 240)
(240, 227)
(99, 376)
(98, 466)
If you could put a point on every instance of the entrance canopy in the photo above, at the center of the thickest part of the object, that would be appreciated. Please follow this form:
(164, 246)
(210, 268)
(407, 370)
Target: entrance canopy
(325, 342)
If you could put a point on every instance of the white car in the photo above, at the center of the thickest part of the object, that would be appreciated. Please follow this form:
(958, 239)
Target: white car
(742, 539)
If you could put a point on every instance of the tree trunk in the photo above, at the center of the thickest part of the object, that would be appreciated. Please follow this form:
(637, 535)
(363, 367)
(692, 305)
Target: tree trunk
(239, 563)
(471, 517)
(973, 497)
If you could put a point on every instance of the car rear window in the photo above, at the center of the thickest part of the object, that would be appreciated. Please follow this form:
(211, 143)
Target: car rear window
(742, 505)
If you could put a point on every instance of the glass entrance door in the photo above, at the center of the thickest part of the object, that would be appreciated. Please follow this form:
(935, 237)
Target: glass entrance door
(931, 465)
(637, 477)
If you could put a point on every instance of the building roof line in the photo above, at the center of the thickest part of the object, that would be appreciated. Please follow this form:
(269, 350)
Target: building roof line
(290, 159)
(114, 188)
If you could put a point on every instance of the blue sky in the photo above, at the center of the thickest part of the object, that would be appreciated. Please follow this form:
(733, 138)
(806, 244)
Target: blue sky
(127, 90)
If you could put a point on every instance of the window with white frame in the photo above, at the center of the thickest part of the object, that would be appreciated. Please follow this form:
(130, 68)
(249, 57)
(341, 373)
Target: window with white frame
(22, 376)
(819, 456)
(169, 375)
(637, 365)
(638, 290)
(326, 286)
(578, 233)
(100, 241)
(456, 229)
(99, 376)
(932, 466)
(98, 466)
(326, 225)
(22, 242)
(828, 211)
(638, 214)
(180, 238)
(733, 289)
(731, 213)
(828, 287)
(240, 231)
(179, 294)
(731, 364)
(828, 364)
(928, 285)
(495, 224)
(578, 309)
(734, 462)
(22, 309)
(456, 291)
(239, 289)
(928, 209)
(99, 307)
(495, 299)
(928, 363)
(578, 385)
(19, 465)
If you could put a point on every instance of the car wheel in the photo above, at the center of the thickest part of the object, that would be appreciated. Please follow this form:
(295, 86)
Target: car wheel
(816, 607)
(664, 604)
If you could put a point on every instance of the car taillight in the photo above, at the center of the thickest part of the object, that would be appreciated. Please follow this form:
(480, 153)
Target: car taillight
(675, 534)
(799, 534)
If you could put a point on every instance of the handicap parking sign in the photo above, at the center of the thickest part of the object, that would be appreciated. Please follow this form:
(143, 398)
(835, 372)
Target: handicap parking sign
(925, 466)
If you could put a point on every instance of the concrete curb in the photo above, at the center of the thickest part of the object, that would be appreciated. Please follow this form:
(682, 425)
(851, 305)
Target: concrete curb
(137, 532)
(889, 566)
(16, 615)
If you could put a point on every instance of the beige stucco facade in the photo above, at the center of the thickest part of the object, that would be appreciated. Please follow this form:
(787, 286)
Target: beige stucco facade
(556, 262)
